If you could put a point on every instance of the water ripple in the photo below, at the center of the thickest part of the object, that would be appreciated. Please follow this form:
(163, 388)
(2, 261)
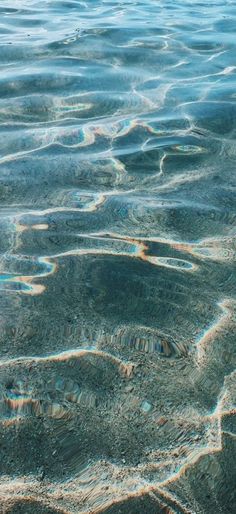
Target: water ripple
(117, 256)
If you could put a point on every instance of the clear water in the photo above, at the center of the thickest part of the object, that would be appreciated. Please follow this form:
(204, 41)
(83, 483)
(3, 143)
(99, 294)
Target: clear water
(117, 267)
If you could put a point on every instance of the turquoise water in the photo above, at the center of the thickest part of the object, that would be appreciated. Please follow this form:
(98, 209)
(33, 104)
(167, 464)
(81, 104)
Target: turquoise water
(117, 257)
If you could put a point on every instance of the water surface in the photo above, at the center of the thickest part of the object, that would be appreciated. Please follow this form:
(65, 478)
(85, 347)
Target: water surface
(117, 257)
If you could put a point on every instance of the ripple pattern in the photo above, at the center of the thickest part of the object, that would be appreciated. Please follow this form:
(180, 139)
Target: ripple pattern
(117, 257)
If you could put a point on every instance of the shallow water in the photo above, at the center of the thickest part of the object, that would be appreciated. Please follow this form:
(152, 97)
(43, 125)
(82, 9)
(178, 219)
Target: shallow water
(117, 257)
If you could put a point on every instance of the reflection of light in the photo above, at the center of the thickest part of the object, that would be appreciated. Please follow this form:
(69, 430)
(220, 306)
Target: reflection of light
(40, 226)
(173, 263)
(125, 368)
(24, 283)
(65, 108)
(138, 249)
(187, 149)
(88, 202)
(211, 331)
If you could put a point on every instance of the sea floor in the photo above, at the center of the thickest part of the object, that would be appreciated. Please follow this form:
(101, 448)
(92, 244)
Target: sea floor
(117, 257)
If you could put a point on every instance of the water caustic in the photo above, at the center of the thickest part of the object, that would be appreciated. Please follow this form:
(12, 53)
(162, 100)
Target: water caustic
(117, 257)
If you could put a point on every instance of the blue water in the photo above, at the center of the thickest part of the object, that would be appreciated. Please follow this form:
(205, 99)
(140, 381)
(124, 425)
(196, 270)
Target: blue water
(117, 257)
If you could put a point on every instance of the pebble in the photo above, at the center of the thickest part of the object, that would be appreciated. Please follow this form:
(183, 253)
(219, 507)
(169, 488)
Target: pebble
(146, 406)
(162, 421)
(129, 388)
(41, 473)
